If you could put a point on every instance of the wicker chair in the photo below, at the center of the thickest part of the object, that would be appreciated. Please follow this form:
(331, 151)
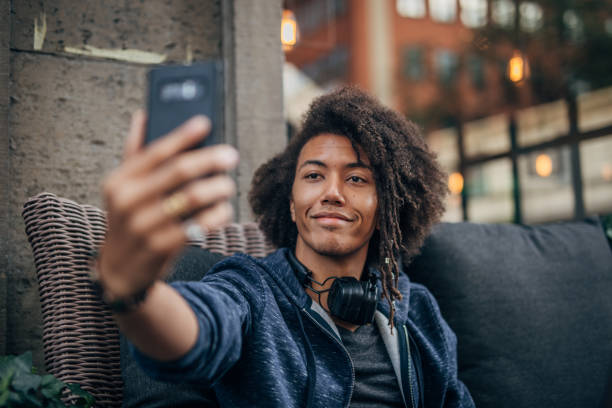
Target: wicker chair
(80, 338)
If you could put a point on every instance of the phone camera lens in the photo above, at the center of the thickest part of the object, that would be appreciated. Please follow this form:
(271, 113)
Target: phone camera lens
(189, 90)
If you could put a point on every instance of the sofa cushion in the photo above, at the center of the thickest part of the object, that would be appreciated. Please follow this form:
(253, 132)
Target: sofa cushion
(531, 307)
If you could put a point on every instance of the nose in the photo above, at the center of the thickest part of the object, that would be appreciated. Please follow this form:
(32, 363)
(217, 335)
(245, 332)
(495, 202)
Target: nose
(333, 194)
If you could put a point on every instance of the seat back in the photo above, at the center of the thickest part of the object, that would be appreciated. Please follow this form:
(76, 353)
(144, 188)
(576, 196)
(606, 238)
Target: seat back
(80, 337)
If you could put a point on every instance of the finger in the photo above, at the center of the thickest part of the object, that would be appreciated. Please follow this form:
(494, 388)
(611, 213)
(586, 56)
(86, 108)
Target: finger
(216, 216)
(197, 195)
(180, 139)
(184, 168)
(136, 136)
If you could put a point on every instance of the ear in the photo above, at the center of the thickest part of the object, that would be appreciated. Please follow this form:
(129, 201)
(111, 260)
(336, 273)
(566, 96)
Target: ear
(292, 209)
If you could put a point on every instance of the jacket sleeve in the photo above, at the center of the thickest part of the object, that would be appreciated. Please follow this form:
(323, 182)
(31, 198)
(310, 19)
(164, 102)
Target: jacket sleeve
(442, 386)
(457, 394)
(226, 302)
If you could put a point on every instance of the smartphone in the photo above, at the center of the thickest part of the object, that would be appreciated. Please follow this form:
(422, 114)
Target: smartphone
(176, 93)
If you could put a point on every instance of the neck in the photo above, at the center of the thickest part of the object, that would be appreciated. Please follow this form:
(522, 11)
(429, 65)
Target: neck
(325, 266)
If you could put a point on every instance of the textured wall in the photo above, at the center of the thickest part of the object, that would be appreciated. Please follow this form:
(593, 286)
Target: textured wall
(77, 71)
(4, 167)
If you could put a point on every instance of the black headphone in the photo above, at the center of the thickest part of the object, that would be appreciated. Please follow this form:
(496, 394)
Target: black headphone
(349, 299)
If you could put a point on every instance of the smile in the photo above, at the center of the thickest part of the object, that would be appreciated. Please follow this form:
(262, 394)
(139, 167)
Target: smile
(331, 217)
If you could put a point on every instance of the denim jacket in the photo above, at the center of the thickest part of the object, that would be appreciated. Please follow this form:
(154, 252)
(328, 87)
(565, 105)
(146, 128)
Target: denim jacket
(263, 342)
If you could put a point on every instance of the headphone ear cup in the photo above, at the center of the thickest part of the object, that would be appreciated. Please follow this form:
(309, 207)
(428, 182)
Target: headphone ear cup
(353, 301)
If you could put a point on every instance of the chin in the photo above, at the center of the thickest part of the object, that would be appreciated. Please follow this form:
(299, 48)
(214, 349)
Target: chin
(332, 247)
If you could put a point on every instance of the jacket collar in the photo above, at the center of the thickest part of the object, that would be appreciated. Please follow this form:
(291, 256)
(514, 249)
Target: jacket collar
(281, 271)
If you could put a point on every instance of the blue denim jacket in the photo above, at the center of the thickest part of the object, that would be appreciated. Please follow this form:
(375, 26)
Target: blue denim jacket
(263, 342)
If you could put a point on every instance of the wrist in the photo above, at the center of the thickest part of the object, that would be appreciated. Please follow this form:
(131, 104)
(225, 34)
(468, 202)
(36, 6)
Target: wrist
(118, 301)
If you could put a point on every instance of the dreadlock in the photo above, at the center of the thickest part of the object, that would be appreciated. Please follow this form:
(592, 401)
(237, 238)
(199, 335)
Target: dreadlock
(411, 186)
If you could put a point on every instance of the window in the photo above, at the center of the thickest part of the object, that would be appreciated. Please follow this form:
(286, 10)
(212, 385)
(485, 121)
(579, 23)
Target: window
(541, 123)
(596, 163)
(411, 8)
(475, 66)
(486, 136)
(503, 12)
(594, 109)
(531, 16)
(608, 26)
(489, 188)
(573, 25)
(446, 66)
(474, 13)
(546, 185)
(414, 67)
(444, 11)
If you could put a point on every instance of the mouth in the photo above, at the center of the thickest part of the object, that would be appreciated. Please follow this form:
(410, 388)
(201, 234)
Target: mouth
(330, 216)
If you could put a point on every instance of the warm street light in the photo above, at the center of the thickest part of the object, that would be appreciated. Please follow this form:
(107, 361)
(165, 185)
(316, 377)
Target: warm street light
(289, 30)
(455, 183)
(543, 165)
(518, 67)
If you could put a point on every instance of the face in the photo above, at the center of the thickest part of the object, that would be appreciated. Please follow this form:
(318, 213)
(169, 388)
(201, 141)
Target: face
(333, 198)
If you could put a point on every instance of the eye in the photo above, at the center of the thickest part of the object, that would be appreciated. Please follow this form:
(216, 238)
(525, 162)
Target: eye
(312, 176)
(357, 179)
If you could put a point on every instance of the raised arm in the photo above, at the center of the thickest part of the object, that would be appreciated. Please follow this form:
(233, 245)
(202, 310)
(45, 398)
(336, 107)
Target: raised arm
(148, 198)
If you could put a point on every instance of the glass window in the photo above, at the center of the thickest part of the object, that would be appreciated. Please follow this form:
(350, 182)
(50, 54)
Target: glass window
(474, 13)
(542, 123)
(594, 109)
(546, 186)
(411, 8)
(444, 11)
(414, 64)
(608, 26)
(530, 16)
(502, 13)
(475, 66)
(574, 26)
(444, 143)
(486, 136)
(446, 66)
(489, 190)
(596, 163)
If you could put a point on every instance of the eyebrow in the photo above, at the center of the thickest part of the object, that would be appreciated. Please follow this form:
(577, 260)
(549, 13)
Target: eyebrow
(350, 165)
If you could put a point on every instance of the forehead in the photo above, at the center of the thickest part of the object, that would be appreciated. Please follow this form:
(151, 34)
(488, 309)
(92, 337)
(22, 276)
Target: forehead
(332, 147)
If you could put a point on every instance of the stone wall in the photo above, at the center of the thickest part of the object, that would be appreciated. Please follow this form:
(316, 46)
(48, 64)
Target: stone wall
(72, 72)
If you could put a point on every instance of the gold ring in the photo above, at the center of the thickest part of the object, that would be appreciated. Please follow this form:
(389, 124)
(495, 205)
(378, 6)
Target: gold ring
(175, 205)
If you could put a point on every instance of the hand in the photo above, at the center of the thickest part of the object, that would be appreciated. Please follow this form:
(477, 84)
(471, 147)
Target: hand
(149, 193)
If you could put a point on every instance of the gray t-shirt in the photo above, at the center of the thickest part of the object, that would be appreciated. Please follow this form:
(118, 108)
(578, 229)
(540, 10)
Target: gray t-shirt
(375, 380)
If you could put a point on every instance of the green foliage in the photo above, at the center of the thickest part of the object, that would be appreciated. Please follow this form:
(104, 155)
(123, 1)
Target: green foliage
(20, 386)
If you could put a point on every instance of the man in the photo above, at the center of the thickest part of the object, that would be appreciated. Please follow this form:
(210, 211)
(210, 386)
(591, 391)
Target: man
(354, 189)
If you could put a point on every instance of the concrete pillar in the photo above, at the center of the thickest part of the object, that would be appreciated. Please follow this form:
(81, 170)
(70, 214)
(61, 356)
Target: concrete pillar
(255, 88)
(4, 167)
(77, 71)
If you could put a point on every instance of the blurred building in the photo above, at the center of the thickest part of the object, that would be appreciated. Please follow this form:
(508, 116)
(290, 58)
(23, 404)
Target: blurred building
(505, 91)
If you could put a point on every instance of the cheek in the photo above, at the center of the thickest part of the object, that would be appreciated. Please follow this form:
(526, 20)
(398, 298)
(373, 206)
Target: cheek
(370, 207)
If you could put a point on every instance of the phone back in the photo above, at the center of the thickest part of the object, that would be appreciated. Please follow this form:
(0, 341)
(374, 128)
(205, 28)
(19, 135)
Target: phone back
(179, 92)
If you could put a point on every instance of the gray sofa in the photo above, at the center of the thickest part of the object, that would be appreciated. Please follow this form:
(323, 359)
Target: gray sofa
(531, 307)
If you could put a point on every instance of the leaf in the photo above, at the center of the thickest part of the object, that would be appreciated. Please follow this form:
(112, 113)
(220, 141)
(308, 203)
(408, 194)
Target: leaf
(4, 397)
(51, 387)
(87, 398)
(24, 382)
(5, 380)
(32, 399)
(24, 362)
